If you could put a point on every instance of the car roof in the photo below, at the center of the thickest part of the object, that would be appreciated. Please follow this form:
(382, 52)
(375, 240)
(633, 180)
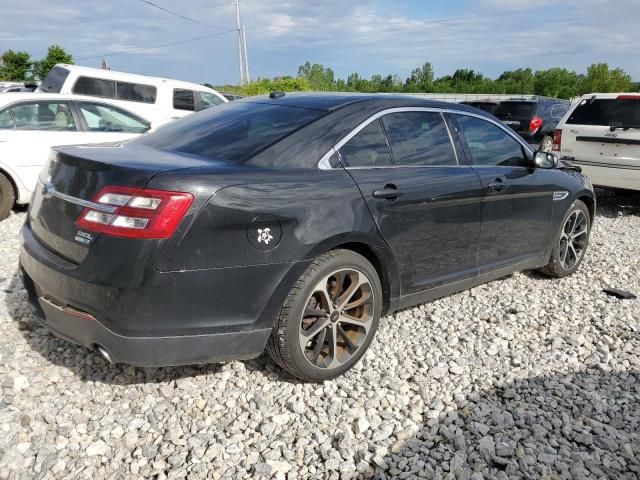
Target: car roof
(609, 96)
(335, 101)
(10, 97)
(132, 77)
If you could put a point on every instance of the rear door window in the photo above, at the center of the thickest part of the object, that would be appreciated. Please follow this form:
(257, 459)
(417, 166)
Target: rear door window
(490, 145)
(54, 80)
(183, 100)
(103, 118)
(607, 112)
(419, 138)
(136, 92)
(52, 116)
(368, 148)
(96, 87)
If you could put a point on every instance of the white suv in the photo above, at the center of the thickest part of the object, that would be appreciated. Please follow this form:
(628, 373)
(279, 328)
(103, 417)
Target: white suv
(601, 134)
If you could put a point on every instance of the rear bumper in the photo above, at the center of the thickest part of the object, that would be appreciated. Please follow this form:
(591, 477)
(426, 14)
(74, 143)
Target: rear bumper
(177, 318)
(83, 329)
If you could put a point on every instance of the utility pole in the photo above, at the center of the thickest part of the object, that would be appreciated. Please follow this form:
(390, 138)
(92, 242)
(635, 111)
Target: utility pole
(240, 42)
(246, 60)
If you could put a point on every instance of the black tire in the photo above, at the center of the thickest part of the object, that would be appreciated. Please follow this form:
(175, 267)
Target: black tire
(546, 144)
(285, 344)
(7, 197)
(557, 267)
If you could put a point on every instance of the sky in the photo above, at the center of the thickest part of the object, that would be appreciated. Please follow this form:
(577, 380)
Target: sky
(364, 36)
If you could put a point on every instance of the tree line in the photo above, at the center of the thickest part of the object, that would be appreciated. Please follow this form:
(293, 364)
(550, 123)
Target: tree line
(554, 82)
(20, 67)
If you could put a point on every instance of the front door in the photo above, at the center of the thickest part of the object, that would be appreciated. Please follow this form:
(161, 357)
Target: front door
(518, 200)
(426, 205)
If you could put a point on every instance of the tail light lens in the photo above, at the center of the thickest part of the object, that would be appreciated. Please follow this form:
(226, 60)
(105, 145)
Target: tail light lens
(136, 213)
(535, 124)
(557, 140)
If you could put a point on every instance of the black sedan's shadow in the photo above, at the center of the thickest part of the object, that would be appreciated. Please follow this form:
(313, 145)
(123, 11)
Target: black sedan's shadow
(615, 203)
(88, 365)
(576, 425)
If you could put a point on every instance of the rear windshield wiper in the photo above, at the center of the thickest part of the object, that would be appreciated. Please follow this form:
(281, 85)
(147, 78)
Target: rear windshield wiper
(616, 126)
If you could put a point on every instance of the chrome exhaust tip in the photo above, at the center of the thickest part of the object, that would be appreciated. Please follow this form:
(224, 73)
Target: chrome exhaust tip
(104, 354)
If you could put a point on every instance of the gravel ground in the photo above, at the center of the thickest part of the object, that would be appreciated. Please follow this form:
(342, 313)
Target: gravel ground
(525, 377)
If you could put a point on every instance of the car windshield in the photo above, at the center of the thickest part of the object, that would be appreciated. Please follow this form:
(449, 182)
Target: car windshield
(607, 113)
(508, 110)
(234, 131)
(54, 80)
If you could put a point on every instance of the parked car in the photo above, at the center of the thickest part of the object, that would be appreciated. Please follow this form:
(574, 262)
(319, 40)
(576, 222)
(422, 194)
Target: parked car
(231, 96)
(601, 134)
(27, 87)
(32, 123)
(486, 105)
(534, 119)
(159, 100)
(291, 223)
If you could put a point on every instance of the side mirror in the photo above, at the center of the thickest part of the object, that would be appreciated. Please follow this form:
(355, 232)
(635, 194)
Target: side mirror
(545, 160)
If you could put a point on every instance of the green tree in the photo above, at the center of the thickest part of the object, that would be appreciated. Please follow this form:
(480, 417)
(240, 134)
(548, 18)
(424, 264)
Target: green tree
(15, 66)
(601, 79)
(319, 77)
(558, 83)
(519, 81)
(420, 80)
(55, 54)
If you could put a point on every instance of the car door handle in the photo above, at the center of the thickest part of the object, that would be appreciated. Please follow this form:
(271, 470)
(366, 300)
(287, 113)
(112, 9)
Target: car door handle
(389, 193)
(497, 186)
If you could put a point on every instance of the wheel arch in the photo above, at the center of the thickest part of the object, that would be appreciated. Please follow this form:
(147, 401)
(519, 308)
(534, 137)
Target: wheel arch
(14, 185)
(590, 202)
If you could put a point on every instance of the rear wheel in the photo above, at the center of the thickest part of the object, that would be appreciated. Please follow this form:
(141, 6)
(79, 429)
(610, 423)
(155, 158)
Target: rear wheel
(329, 318)
(7, 196)
(571, 242)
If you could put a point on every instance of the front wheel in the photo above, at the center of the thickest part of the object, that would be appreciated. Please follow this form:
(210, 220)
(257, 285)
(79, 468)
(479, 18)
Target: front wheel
(329, 318)
(571, 242)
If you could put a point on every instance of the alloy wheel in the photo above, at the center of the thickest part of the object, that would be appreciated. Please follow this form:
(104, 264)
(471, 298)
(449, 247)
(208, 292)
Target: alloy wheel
(547, 144)
(573, 239)
(337, 318)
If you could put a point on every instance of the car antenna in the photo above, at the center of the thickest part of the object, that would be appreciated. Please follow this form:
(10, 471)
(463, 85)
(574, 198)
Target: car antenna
(276, 94)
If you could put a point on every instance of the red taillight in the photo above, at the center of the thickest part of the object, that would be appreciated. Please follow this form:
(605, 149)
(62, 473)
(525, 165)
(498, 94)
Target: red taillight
(137, 212)
(628, 97)
(535, 124)
(557, 140)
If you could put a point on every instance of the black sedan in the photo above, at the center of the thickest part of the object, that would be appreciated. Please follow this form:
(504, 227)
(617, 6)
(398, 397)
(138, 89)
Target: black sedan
(290, 223)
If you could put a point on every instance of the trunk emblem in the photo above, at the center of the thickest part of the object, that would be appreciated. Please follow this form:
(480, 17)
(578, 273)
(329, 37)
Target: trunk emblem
(48, 190)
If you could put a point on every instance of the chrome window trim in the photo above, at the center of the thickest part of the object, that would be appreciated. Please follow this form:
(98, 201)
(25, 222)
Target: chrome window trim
(48, 190)
(324, 163)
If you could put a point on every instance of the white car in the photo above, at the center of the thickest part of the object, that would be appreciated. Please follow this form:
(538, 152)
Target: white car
(601, 134)
(32, 123)
(159, 100)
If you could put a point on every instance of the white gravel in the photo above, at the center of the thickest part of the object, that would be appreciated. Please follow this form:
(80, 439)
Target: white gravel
(525, 377)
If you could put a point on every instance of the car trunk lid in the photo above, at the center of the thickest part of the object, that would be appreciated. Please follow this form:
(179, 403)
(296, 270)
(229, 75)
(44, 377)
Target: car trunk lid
(72, 178)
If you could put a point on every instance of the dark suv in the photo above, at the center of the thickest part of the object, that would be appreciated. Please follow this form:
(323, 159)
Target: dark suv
(535, 118)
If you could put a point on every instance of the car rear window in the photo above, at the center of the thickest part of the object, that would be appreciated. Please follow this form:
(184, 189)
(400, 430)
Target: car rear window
(234, 131)
(515, 110)
(606, 112)
(54, 80)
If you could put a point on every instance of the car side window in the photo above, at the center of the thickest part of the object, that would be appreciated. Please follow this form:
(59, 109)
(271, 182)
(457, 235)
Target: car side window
(208, 100)
(6, 120)
(53, 116)
(368, 148)
(96, 87)
(183, 100)
(103, 118)
(489, 144)
(419, 138)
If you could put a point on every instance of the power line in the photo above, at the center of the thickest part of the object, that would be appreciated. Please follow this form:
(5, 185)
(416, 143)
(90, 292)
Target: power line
(142, 49)
(179, 16)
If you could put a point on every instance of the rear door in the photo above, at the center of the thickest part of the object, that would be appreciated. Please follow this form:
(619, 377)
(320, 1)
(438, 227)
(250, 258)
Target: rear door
(518, 200)
(425, 204)
(604, 133)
